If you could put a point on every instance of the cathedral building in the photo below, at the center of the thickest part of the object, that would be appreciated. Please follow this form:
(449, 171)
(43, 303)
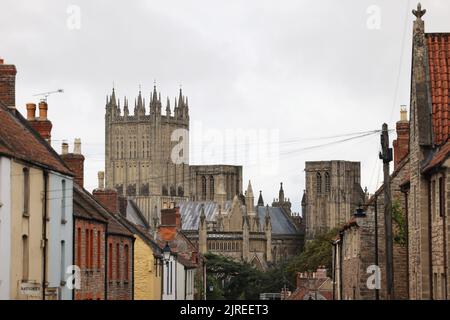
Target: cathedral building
(260, 235)
(147, 156)
(332, 194)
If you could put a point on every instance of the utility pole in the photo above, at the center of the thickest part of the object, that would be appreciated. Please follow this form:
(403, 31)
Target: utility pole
(386, 156)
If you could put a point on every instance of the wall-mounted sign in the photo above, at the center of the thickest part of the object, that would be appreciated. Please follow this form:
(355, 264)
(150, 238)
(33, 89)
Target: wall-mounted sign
(30, 289)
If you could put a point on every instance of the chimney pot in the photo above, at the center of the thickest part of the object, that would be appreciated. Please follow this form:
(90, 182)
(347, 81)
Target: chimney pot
(77, 146)
(65, 148)
(1, 61)
(43, 108)
(31, 111)
(101, 180)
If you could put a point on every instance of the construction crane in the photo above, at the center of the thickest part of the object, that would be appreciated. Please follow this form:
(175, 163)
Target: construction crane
(46, 94)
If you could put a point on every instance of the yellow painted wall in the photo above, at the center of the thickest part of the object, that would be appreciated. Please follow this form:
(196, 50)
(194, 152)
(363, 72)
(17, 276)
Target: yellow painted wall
(30, 226)
(147, 284)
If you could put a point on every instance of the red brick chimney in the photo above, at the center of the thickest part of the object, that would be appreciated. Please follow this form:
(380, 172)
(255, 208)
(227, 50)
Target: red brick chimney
(75, 161)
(41, 124)
(170, 223)
(8, 84)
(401, 144)
(109, 198)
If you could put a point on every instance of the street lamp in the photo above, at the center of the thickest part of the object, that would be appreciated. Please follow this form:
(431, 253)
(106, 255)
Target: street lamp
(166, 253)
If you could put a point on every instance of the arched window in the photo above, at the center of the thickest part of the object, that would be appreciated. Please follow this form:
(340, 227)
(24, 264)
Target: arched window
(172, 191)
(164, 191)
(319, 182)
(117, 261)
(211, 188)
(327, 182)
(203, 188)
(127, 261)
(26, 191)
(180, 191)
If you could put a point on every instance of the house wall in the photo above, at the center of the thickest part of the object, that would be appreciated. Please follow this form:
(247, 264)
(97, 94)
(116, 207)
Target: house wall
(180, 281)
(30, 226)
(5, 227)
(119, 288)
(169, 277)
(147, 276)
(60, 233)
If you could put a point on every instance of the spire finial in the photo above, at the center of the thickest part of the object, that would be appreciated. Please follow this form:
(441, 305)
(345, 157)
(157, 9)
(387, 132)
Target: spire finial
(419, 13)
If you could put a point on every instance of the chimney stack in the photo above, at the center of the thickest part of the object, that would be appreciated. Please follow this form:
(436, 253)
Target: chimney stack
(75, 161)
(108, 198)
(41, 124)
(8, 84)
(401, 144)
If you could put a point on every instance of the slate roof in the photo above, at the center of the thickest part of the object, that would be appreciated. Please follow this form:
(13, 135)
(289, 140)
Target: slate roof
(190, 215)
(281, 224)
(19, 140)
(190, 212)
(439, 157)
(439, 65)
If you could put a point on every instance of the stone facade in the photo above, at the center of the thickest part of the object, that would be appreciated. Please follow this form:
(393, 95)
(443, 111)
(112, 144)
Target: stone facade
(147, 157)
(260, 235)
(332, 193)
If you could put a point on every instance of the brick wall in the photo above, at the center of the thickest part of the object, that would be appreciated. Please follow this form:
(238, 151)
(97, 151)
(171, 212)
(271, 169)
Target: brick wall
(75, 162)
(120, 281)
(108, 198)
(92, 275)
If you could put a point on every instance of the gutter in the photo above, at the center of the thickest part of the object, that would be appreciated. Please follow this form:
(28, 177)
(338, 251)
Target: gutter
(106, 261)
(132, 269)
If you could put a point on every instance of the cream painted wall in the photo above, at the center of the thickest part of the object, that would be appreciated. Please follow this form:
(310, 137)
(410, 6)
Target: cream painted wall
(5, 226)
(147, 279)
(30, 226)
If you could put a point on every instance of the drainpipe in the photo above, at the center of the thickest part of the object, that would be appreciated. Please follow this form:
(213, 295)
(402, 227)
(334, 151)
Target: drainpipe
(444, 232)
(106, 261)
(407, 241)
(44, 235)
(73, 247)
(185, 282)
(430, 248)
(377, 291)
(341, 271)
(334, 270)
(132, 270)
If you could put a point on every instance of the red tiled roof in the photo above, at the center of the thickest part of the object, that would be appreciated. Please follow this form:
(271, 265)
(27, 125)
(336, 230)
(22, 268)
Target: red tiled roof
(439, 63)
(19, 140)
(439, 157)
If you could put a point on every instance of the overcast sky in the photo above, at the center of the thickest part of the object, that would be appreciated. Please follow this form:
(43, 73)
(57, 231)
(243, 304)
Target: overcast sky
(296, 70)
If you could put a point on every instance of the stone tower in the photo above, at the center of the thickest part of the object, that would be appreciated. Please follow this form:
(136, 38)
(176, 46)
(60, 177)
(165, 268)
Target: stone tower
(333, 192)
(147, 154)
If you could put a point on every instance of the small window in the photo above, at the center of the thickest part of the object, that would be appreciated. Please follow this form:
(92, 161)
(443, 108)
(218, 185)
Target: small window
(86, 248)
(25, 258)
(118, 261)
(79, 247)
(26, 191)
(127, 261)
(441, 197)
(110, 261)
(327, 183)
(99, 249)
(63, 202)
(63, 261)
